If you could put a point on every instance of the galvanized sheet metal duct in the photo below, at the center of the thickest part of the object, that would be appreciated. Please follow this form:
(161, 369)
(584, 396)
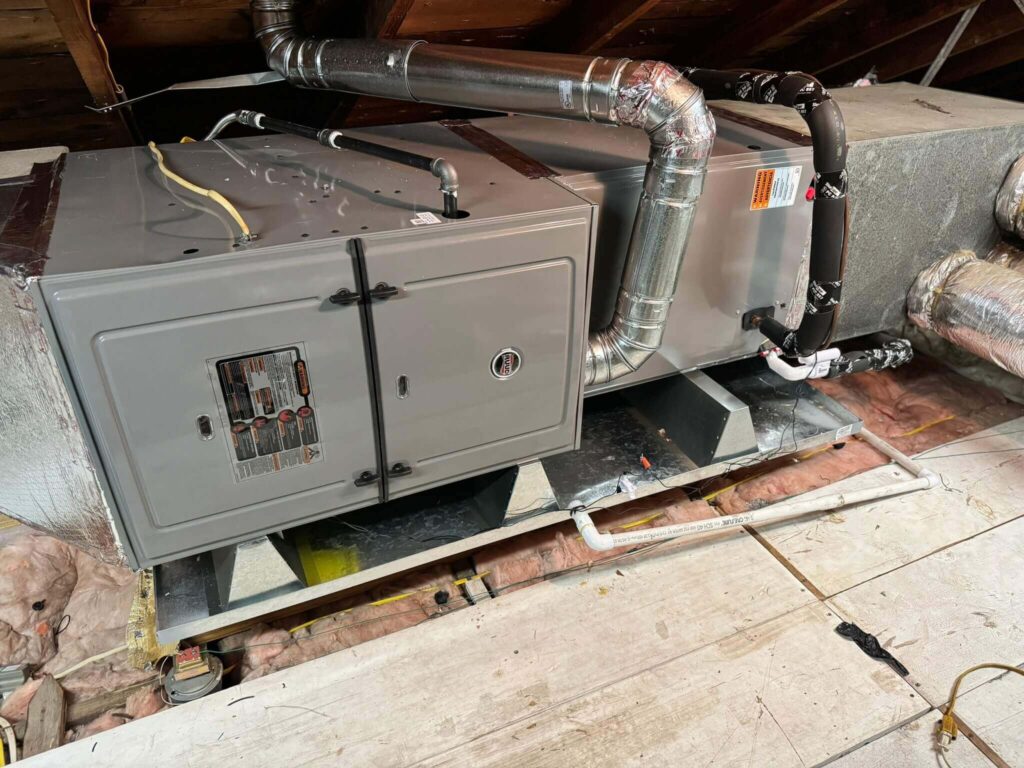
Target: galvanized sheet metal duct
(975, 304)
(649, 95)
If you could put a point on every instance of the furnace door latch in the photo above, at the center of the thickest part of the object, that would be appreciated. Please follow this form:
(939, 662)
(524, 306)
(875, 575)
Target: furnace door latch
(383, 291)
(344, 297)
(399, 469)
(366, 477)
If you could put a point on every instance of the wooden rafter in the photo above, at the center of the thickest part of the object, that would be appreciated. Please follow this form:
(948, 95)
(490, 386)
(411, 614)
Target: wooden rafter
(753, 28)
(995, 20)
(875, 25)
(73, 21)
(86, 48)
(382, 19)
(1003, 52)
(588, 26)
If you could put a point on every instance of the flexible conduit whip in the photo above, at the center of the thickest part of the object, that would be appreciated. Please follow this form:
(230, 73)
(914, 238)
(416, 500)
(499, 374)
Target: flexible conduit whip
(829, 228)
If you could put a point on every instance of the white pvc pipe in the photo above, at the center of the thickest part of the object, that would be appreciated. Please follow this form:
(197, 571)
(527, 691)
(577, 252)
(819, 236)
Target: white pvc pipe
(923, 479)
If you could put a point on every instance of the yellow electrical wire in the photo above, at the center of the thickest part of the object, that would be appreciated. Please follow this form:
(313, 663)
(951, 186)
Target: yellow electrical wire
(948, 729)
(213, 194)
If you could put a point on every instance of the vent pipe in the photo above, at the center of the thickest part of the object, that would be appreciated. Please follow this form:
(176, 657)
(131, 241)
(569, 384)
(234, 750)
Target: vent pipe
(649, 95)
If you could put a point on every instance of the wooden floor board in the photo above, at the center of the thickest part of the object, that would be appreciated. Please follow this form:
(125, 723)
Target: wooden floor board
(948, 611)
(912, 746)
(417, 693)
(982, 486)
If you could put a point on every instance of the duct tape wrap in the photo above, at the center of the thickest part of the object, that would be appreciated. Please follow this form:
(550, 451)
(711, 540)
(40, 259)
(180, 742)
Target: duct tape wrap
(1010, 200)
(977, 305)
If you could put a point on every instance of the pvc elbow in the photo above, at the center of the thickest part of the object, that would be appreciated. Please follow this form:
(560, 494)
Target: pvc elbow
(593, 538)
(934, 481)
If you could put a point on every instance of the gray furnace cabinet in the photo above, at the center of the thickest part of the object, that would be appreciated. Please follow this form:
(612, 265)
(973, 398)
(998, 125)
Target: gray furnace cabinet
(232, 395)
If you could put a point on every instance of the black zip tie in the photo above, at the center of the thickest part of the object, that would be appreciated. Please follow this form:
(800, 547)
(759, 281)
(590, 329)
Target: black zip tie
(870, 645)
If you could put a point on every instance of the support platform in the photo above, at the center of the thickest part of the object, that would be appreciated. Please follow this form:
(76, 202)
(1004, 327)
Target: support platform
(688, 428)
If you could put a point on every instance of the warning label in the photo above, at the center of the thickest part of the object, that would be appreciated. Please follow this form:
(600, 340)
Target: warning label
(269, 412)
(775, 187)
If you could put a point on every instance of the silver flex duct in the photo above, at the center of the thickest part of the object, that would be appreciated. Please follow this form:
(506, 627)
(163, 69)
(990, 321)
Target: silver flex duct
(649, 95)
(977, 305)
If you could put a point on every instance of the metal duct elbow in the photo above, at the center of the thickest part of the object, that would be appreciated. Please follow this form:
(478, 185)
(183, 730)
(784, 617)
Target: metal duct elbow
(657, 98)
(649, 95)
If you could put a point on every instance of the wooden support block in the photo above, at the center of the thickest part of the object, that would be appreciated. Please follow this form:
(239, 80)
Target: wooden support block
(45, 722)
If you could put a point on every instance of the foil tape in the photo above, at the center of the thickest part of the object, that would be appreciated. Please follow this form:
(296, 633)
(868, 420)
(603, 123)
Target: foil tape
(976, 305)
(1010, 200)
(1007, 254)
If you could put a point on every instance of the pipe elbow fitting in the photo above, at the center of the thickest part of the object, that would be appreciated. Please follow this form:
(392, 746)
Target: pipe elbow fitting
(449, 177)
(602, 542)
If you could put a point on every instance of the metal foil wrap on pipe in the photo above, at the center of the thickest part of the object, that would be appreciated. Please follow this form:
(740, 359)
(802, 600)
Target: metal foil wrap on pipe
(1010, 200)
(977, 305)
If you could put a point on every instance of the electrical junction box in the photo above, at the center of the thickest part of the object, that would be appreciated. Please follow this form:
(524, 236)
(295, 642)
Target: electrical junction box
(364, 348)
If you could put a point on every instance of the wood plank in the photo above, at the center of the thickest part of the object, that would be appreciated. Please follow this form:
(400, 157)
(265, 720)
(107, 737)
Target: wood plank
(994, 712)
(754, 28)
(761, 697)
(1003, 52)
(868, 28)
(587, 26)
(44, 728)
(76, 131)
(383, 18)
(157, 27)
(851, 546)
(995, 19)
(439, 15)
(75, 25)
(912, 745)
(29, 32)
(517, 656)
(80, 712)
(41, 86)
(948, 611)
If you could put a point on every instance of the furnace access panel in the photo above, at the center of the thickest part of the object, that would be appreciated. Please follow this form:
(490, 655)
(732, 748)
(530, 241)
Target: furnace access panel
(248, 391)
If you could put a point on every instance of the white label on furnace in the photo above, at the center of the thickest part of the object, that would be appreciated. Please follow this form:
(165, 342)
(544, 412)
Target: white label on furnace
(424, 217)
(565, 93)
(775, 187)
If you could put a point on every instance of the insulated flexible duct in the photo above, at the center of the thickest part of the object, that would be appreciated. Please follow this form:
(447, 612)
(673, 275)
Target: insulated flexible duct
(828, 230)
(977, 305)
(649, 95)
(1010, 200)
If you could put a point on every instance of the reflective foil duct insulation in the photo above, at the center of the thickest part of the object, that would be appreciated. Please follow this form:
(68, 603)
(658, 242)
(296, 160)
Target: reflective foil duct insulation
(976, 305)
(1010, 200)
(641, 94)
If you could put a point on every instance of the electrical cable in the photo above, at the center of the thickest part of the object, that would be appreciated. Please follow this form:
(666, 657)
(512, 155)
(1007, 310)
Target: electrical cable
(948, 729)
(212, 194)
(12, 743)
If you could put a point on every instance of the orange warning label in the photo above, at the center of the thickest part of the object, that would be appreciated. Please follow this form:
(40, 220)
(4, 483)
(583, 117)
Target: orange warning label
(762, 189)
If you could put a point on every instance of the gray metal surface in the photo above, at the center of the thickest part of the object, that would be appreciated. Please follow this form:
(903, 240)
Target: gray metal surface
(924, 165)
(706, 421)
(787, 418)
(289, 190)
(140, 347)
(464, 296)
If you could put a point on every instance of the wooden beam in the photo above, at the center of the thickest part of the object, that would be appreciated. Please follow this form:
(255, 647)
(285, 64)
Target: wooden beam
(995, 19)
(72, 18)
(1003, 52)
(871, 27)
(384, 18)
(587, 26)
(45, 722)
(752, 29)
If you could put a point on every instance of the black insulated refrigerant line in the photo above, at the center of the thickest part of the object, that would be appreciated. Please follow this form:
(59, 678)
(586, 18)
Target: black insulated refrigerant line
(829, 221)
(335, 139)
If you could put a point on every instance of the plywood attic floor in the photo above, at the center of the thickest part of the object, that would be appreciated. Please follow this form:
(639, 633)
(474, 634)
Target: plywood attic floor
(719, 652)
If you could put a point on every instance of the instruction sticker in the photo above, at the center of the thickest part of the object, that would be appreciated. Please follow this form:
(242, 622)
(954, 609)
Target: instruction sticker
(565, 93)
(267, 408)
(775, 187)
(424, 217)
